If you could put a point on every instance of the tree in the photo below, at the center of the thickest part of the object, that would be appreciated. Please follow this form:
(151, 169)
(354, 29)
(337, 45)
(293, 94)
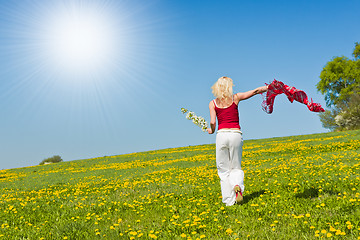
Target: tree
(356, 52)
(340, 78)
(340, 83)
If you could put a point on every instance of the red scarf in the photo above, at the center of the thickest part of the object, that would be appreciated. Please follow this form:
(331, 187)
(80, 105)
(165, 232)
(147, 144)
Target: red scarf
(276, 87)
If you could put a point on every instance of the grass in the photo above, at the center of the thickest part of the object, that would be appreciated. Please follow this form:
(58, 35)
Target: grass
(300, 187)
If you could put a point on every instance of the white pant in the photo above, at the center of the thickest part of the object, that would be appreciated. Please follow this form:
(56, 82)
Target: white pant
(228, 162)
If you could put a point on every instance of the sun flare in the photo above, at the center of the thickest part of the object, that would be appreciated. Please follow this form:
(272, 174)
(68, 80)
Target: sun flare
(78, 45)
(79, 40)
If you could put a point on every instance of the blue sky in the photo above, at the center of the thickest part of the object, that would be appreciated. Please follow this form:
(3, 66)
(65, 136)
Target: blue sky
(163, 55)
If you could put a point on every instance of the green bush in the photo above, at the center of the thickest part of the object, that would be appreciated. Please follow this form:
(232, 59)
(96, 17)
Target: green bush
(327, 119)
(349, 117)
(53, 159)
(344, 116)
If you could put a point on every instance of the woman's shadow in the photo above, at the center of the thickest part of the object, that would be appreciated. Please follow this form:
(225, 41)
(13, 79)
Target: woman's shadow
(309, 193)
(248, 198)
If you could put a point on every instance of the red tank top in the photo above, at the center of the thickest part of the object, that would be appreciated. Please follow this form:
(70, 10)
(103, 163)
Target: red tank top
(227, 117)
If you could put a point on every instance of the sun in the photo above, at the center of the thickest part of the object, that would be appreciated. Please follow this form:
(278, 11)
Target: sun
(78, 45)
(79, 40)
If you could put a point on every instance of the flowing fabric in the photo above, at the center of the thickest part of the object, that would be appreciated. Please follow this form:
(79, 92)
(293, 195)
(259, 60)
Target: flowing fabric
(276, 87)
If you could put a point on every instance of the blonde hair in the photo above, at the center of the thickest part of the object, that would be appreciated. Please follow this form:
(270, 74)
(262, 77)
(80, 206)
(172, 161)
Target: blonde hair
(223, 88)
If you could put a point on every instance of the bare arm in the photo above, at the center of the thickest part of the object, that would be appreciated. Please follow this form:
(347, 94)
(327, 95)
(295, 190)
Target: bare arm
(245, 95)
(211, 130)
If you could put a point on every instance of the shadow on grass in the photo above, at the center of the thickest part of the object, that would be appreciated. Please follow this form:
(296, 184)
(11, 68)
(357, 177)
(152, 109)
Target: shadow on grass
(308, 193)
(313, 193)
(248, 198)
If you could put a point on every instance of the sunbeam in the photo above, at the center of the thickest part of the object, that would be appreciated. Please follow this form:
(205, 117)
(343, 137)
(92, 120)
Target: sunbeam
(67, 48)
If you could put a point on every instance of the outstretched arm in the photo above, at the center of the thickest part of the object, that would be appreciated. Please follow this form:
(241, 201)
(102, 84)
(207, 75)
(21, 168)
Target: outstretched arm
(245, 95)
(211, 130)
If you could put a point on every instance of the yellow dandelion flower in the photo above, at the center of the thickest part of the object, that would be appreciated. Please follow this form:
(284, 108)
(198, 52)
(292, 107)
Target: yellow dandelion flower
(153, 236)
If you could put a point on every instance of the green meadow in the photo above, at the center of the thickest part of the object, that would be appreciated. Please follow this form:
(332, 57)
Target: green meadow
(299, 187)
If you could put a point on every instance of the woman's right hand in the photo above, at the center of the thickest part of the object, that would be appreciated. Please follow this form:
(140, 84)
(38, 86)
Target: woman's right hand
(210, 131)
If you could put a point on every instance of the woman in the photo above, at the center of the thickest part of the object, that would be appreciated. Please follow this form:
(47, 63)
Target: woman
(229, 137)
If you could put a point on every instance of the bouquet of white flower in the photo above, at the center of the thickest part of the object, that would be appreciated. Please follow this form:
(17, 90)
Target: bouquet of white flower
(200, 121)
